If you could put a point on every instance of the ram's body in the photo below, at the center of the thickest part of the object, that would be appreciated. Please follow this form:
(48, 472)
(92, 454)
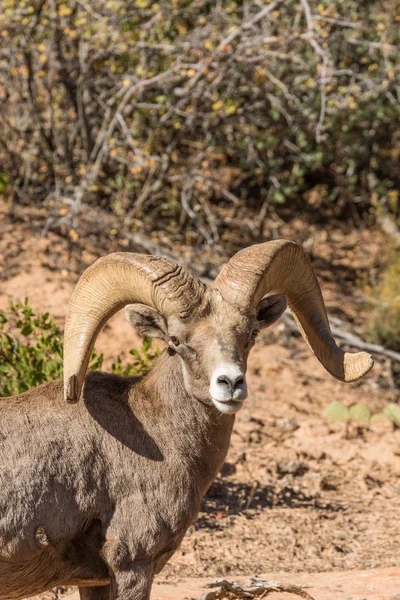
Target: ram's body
(100, 492)
(125, 465)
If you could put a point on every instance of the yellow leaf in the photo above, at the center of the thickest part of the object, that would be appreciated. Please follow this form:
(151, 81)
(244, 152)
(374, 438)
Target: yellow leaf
(217, 105)
(393, 198)
(73, 235)
(381, 27)
(391, 74)
(260, 76)
(64, 10)
(136, 170)
(230, 110)
(191, 72)
(182, 28)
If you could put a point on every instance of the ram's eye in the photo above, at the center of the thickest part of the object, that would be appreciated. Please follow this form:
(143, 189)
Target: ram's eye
(174, 340)
(255, 334)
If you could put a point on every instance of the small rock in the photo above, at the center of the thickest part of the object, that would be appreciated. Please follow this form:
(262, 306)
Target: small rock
(287, 425)
(291, 467)
(330, 482)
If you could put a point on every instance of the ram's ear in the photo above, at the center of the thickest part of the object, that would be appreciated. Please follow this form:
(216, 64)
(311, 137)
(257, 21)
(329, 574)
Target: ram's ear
(270, 309)
(147, 321)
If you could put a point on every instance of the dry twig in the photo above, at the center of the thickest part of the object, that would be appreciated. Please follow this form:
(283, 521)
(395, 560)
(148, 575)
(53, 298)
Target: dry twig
(253, 588)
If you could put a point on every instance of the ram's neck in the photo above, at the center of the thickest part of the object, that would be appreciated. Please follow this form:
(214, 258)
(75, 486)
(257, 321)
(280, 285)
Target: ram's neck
(195, 432)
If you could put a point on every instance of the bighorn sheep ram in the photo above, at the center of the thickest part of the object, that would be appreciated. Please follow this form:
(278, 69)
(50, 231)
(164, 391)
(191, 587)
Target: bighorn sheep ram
(99, 492)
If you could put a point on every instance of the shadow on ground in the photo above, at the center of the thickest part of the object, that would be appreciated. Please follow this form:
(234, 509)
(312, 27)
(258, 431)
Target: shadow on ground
(225, 498)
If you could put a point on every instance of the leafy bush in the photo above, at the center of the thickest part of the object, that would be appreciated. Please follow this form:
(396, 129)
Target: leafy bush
(31, 351)
(383, 321)
(183, 114)
(142, 360)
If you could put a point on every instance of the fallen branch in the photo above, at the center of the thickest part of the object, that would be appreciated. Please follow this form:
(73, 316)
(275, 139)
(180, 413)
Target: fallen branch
(347, 338)
(253, 588)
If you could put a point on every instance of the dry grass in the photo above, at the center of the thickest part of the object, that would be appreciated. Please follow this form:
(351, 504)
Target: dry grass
(383, 324)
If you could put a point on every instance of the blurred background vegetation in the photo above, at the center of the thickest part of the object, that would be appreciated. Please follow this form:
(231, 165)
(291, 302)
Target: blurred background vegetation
(181, 114)
(191, 119)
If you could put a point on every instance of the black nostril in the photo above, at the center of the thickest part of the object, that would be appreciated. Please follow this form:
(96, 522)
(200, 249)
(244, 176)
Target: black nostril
(232, 385)
(239, 381)
(224, 380)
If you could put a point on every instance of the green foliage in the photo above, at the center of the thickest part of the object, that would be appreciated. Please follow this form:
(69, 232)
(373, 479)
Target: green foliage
(337, 411)
(380, 417)
(141, 363)
(31, 351)
(360, 413)
(181, 113)
(383, 322)
(393, 412)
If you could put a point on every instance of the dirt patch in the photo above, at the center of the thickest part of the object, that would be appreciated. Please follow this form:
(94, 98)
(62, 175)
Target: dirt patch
(297, 495)
(376, 584)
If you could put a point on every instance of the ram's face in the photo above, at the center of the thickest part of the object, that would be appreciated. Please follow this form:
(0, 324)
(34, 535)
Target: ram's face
(213, 346)
(214, 351)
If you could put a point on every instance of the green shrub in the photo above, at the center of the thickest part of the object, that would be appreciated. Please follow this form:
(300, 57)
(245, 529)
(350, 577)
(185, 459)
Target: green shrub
(383, 322)
(361, 414)
(141, 363)
(31, 351)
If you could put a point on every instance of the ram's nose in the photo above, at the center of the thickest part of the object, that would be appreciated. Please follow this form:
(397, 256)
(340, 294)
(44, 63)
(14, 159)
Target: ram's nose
(228, 383)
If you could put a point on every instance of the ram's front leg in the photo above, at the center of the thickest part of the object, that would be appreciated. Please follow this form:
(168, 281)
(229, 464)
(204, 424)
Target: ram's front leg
(95, 593)
(132, 583)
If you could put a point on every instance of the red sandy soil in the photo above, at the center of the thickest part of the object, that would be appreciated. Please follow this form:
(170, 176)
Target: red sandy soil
(302, 499)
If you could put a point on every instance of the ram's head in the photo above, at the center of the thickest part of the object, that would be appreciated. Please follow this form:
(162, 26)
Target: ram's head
(211, 328)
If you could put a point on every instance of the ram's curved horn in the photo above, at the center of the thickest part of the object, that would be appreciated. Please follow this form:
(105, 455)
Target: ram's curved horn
(283, 267)
(108, 285)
